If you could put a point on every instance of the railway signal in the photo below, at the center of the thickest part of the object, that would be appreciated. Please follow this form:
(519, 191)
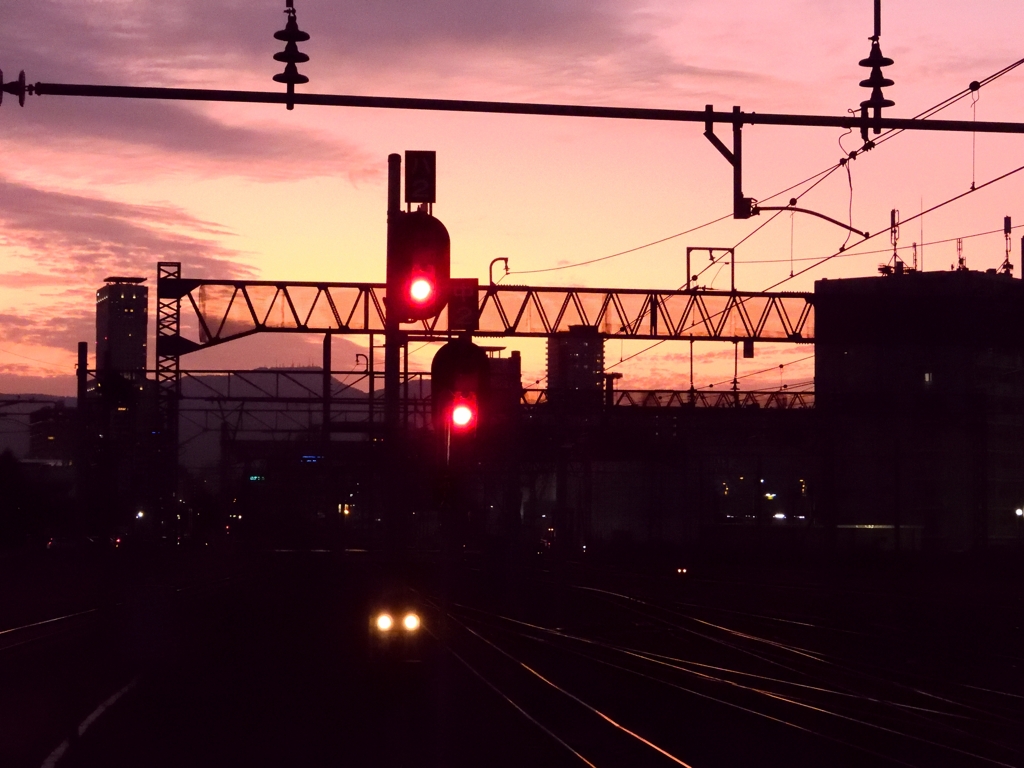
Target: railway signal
(419, 263)
(459, 376)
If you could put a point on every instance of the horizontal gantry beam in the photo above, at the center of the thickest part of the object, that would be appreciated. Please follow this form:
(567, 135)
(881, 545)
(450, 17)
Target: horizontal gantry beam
(735, 117)
(218, 311)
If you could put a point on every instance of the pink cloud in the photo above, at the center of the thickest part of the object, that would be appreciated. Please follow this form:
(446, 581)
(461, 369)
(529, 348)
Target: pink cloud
(47, 329)
(26, 280)
(82, 238)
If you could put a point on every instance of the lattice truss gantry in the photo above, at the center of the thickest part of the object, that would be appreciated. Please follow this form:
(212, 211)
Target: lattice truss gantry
(217, 311)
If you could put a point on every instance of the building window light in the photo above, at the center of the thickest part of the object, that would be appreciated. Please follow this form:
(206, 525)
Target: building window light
(928, 377)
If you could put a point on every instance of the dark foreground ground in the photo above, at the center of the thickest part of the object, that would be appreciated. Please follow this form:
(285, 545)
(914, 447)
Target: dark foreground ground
(214, 658)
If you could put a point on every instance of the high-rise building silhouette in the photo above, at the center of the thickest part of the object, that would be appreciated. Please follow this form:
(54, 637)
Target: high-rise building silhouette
(576, 366)
(122, 309)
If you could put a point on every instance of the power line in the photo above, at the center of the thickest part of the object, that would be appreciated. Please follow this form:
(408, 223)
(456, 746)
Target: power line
(824, 175)
(620, 253)
(34, 360)
(795, 384)
(817, 178)
(837, 253)
(905, 221)
(848, 252)
(757, 229)
(950, 101)
(758, 373)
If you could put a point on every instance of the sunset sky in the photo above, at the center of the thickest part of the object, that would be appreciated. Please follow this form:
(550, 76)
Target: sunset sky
(93, 187)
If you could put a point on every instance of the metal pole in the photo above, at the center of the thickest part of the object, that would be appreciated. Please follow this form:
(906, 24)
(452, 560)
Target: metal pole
(370, 377)
(392, 342)
(522, 108)
(326, 391)
(405, 385)
(735, 367)
(83, 375)
(738, 211)
(83, 423)
(691, 371)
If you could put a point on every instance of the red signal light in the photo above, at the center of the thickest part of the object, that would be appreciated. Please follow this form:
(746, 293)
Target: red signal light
(419, 266)
(462, 416)
(421, 290)
(463, 413)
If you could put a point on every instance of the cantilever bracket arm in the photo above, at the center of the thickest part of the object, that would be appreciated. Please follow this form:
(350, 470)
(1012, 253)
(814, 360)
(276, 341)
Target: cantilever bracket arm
(742, 207)
(709, 134)
(759, 208)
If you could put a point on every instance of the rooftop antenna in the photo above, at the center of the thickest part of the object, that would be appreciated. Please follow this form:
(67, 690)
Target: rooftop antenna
(895, 265)
(961, 260)
(877, 81)
(1007, 267)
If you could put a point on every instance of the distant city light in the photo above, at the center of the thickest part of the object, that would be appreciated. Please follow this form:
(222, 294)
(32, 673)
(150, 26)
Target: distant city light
(138, 515)
(779, 516)
(1019, 512)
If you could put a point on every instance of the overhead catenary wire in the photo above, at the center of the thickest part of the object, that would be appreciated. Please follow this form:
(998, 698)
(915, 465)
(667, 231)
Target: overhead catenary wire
(713, 262)
(848, 253)
(817, 178)
(758, 373)
(936, 207)
(621, 253)
(33, 359)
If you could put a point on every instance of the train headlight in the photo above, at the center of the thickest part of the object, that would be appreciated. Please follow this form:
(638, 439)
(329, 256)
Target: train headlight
(384, 622)
(411, 622)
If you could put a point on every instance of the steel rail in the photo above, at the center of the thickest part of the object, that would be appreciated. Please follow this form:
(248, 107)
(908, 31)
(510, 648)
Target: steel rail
(521, 108)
